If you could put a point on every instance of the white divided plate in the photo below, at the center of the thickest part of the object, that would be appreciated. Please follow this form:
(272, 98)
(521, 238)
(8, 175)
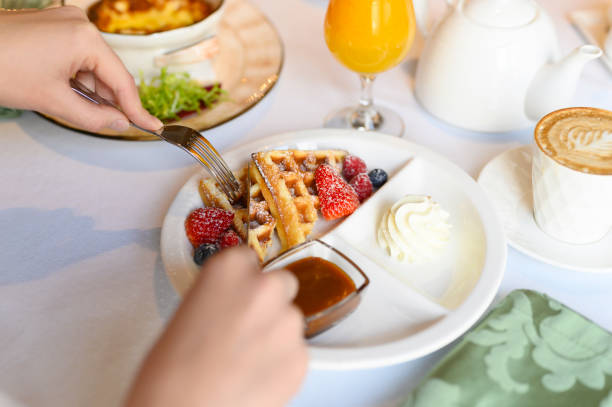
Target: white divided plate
(407, 311)
(507, 181)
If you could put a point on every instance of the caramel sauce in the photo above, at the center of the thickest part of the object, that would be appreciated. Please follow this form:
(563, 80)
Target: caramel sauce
(322, 284)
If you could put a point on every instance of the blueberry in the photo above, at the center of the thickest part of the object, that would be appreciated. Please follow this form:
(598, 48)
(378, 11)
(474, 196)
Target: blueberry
(378, 177)
(203, 252)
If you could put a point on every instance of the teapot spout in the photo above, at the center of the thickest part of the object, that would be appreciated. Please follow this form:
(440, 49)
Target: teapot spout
(554, 85)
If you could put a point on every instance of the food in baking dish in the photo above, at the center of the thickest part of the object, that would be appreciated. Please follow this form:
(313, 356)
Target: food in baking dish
(146, 16)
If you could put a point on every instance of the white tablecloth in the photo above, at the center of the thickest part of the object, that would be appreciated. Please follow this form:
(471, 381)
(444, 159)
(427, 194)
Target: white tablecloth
(83, 292)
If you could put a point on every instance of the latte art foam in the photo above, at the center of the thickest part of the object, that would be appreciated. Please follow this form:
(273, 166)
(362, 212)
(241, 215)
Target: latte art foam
(578, 138)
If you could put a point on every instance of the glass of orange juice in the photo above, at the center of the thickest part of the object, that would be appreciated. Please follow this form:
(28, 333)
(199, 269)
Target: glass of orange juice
(369, 37)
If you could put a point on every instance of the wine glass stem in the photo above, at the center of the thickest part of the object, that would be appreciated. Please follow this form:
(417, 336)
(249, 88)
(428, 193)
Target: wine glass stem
(367, 83)
(366, 117)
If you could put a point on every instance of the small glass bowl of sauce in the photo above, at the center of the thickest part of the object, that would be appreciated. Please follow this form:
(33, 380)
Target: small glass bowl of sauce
(331, 284)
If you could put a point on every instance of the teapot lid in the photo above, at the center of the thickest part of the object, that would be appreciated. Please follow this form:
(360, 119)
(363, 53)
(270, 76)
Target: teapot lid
(501, 13)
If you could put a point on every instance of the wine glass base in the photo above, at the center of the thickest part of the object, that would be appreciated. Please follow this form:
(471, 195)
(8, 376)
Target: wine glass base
(385, 121)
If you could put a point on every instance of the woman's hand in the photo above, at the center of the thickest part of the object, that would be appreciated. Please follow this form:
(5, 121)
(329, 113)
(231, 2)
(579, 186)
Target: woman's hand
(236, 340)
(44, 49)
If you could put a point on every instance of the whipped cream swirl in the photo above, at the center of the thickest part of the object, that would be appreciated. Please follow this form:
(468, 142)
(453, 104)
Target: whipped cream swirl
(414, 229)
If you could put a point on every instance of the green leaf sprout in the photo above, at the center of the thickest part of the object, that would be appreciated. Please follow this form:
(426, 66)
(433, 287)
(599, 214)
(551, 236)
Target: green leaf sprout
(168, 94)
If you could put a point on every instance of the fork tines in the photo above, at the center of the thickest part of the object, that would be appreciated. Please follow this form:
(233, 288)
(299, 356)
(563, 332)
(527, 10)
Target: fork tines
(216, 165)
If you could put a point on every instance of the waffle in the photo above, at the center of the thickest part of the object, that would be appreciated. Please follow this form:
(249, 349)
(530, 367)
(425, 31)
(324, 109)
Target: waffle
(261, 222)
(212, 195)
(252, 219)
(287, 184)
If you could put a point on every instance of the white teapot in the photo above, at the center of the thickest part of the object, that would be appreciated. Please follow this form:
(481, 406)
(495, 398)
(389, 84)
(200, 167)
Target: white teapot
(492, 65)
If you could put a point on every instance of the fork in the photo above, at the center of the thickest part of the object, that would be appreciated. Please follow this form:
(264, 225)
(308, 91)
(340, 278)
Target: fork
(183, 137)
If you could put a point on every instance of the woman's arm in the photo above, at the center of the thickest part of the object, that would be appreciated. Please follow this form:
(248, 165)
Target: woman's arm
(42, 50)
(236, 340)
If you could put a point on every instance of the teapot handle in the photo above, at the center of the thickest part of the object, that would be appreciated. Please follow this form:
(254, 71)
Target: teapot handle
(421, 12)
(455, 3)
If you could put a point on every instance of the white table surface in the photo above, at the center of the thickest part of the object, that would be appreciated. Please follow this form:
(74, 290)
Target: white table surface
(83, 292)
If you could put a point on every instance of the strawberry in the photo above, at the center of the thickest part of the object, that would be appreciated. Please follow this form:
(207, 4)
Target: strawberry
(229, 239)
(352, 166)
(205, 225)
(336, 197)
(362, 185)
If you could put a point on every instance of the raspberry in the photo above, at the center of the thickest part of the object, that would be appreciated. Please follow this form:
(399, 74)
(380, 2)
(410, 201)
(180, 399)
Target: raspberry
(205, 225)
(336, 197)
(352, 166)
(362, 185)
(229, 239)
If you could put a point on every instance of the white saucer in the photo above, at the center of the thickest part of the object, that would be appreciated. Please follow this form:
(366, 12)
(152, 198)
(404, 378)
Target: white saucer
(408, 311)
(507, 180)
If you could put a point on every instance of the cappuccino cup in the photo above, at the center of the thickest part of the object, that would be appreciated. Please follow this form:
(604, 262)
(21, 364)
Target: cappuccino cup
(572, 175)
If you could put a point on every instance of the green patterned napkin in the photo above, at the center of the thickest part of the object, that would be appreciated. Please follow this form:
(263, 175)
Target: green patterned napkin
(530, 351)
(21, 4)
(6, 113)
